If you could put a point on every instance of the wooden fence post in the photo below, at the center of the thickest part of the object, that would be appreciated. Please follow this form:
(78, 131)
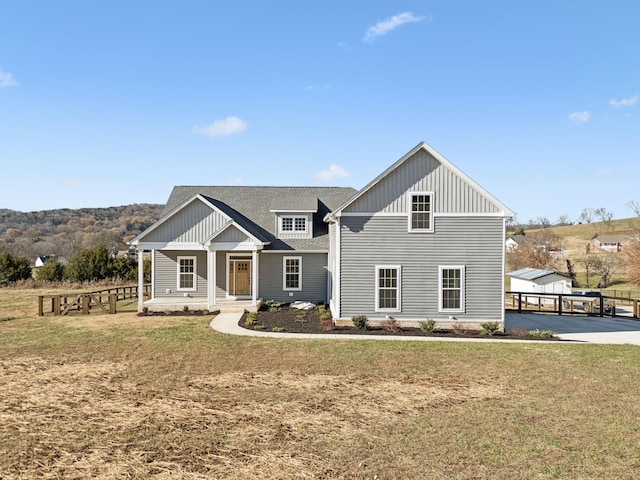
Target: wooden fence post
(85, 304)
(56, 304)
(113, 299)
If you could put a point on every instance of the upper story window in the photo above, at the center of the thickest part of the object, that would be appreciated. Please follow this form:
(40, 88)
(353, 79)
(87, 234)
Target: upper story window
(420, 207)
(294, 226)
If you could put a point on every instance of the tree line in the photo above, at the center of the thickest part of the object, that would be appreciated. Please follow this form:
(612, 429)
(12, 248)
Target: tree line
(63, 232)
(87, 265)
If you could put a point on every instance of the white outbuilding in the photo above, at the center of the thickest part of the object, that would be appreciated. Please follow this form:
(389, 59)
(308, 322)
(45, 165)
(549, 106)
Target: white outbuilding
(536, 280)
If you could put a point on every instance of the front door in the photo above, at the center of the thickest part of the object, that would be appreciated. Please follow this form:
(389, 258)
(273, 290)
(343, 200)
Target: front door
(239, 277)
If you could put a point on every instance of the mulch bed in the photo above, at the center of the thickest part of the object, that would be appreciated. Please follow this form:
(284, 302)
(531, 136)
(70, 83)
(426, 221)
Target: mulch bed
(292, 320)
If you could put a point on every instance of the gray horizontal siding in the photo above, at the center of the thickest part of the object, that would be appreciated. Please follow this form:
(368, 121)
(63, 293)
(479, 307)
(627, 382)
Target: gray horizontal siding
(314, 278)
(476, 243)
(422, 172)
(166, 273)
(194, 223)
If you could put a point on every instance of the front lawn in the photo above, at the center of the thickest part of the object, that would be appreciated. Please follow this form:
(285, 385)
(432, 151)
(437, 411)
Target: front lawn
(167, 397)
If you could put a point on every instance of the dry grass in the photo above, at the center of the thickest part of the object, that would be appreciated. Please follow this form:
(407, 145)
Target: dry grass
(166, 397)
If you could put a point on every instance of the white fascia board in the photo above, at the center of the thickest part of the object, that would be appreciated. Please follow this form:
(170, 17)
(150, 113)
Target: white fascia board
(234, 246)
(170, 246)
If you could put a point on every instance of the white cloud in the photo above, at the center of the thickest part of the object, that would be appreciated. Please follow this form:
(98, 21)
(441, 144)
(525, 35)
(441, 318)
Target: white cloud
(236, 181)
(604, 171)
(385, 26)
(625, 102)
(579, 117)
(222, 128)
(6, 80)
(72, 183)
(318, 87)
(334, 171)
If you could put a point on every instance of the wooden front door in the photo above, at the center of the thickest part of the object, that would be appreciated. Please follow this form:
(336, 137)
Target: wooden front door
(239, 277)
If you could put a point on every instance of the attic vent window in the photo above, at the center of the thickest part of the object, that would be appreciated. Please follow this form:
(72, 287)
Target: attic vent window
(294, 226)
(420, 206)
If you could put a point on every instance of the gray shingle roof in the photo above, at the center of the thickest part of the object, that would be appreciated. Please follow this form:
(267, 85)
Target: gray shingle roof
(251, 208)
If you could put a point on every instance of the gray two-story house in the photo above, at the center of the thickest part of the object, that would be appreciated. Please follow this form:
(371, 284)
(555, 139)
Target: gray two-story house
(422, 240)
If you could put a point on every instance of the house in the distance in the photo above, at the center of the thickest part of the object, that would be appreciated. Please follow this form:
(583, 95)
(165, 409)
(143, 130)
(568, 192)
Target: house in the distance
(42, 259)
(512, 242)
(422, 240)
(608, 243)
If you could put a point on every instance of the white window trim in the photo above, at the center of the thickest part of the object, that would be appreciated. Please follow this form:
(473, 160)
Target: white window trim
(398, 289)
(462, 288)
(195, 273)
(284, 273)
(410, 229)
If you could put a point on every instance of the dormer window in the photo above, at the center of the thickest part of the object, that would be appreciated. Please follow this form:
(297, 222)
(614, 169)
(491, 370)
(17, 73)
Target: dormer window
(294, 226)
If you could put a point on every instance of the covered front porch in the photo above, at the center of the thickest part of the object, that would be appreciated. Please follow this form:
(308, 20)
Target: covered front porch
(203, 279)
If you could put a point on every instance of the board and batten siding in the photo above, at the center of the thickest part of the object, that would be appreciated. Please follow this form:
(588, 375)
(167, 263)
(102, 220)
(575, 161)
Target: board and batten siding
(166, 273)
(314, 277)
(423, 173)
(196, 222)
(475, 242)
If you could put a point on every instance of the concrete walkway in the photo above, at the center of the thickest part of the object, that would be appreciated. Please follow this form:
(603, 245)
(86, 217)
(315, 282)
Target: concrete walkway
(584, 329)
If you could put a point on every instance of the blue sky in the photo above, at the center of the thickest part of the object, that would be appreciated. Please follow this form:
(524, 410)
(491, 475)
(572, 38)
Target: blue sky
(111, 103)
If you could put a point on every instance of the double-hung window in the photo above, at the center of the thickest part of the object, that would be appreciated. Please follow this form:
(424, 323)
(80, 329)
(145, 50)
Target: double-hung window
(451, 291)
(292, 273)
(387, 290)
(187, 274)
(420, 207)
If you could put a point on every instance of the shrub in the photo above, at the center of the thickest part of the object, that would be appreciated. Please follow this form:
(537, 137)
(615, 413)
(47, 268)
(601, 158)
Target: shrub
(258, 327)
(428, 326)
(251, 319)
(90, 264)
(390, 325)
(301, 317)
(361, 322)
(13, 268)
(542, 334)
(489, 328)
(517, 332)
(326, 320)
(185, 309)
(51, 271)
(273, 305)
(277, 329)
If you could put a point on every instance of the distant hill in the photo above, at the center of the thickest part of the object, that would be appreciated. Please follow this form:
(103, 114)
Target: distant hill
(64, 231)
(574, 238)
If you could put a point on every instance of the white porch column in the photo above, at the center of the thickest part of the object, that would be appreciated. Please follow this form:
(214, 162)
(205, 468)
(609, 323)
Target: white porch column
(211, 278)
(140, 279)
(254, 278)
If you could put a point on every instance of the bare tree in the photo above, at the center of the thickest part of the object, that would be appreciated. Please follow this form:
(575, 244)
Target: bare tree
(563, 220)
(605, 217)
(586, 216)
(634, 205)
(588, 261)
(606, 265)
(632, 260)
(536, 250)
